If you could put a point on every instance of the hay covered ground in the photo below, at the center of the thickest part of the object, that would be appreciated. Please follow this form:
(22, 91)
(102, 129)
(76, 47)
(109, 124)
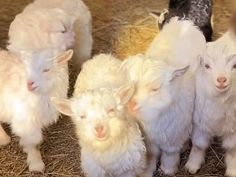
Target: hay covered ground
(121, 27)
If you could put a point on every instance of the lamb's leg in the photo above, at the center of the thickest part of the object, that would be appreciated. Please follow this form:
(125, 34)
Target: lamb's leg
(230, 161)
(170, 162)
(200, 141)
(229, 143)
(30, 143)
(4, 138)
(152, 158)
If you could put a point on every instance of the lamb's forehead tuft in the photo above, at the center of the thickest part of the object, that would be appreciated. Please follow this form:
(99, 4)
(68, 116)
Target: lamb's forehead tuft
(219, 51)
(146, 69)
(97, 97)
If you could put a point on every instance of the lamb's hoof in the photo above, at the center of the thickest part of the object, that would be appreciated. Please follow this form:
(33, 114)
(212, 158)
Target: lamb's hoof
(37, 167)
(230, 173)
(4, 140)
(168, 171)
(191, 168)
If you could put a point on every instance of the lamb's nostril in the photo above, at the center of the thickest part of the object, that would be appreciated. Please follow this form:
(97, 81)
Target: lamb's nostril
(99, 128)
(221, 80)
(100, 131)
(30, 85)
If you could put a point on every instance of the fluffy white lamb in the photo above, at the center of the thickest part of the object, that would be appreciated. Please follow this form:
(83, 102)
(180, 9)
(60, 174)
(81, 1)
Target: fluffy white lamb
(101, 71)
(215, 103)
(29, 109)
(52, 24)
(111, 142)
(164, 98)
(178, 44)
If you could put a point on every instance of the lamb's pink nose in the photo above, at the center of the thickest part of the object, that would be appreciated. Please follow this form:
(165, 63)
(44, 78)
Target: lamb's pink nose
(31, 86)
(133, 105)
(100, 131)
(221, 80)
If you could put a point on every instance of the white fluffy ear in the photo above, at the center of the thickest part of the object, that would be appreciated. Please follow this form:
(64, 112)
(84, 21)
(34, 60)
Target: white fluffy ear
(125, 93)
(159, 16)
(155, 15)
(196, 63)
(178, 72)
(63, 106)
(65, 56)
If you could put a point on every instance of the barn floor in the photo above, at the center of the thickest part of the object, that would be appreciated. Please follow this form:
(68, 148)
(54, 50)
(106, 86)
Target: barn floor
(122, 27)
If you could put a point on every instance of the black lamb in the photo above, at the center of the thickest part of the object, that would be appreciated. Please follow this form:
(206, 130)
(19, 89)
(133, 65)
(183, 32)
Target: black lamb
(199, 11)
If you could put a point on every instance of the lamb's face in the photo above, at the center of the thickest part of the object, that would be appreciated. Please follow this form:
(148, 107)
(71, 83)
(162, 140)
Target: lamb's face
(150, 98)
(152, 86)
(42, 68)
(218, 67)
(99, 116)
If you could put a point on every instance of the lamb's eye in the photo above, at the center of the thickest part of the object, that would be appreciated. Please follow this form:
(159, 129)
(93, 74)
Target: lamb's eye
(234, 67)
(83, 117)
(207, 66)
(111, 111)
(64, 31)
(46, 70)
(155, 89)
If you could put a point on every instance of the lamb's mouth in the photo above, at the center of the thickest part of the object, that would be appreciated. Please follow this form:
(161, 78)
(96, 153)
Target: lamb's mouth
(106, 137)
(222, 88)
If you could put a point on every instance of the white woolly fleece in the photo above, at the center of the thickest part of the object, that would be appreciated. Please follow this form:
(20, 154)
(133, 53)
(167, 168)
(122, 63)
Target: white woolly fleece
(57, 25)
(164, 96)
(120, 151)
(28, 112)
(102, 70)
(179, 43)
(214, 113)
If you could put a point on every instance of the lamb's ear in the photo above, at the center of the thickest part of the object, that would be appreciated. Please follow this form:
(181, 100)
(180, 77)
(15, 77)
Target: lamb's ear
(126, 92)
(196, 63)
(63, 106)
(155, 15)
(65, 56)
(178, 72)
(160, 16)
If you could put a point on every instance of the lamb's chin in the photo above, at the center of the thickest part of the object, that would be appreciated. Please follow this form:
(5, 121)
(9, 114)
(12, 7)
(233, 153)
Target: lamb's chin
(99, 145)
(102, 139)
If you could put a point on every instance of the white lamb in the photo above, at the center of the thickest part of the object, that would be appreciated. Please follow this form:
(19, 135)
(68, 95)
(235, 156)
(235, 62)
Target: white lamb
(52, 24)
(111, 142)
(215, 103)
(29, 111)
(164, 98)
(101, 71)
(178, 44)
